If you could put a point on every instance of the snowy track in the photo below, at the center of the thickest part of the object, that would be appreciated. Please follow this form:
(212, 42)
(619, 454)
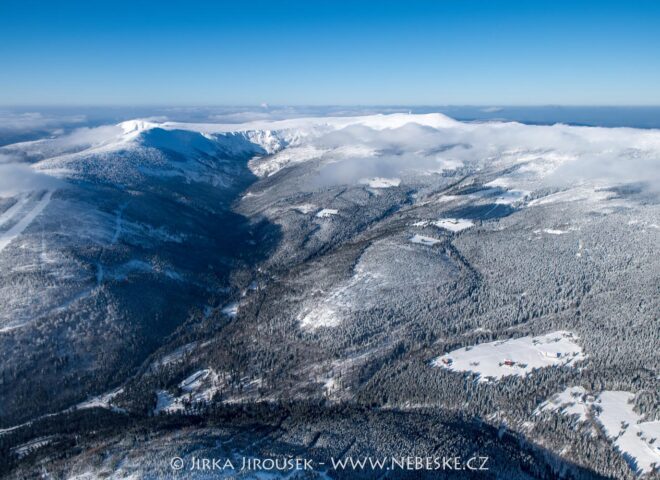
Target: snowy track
(13, 210)
(7, 237)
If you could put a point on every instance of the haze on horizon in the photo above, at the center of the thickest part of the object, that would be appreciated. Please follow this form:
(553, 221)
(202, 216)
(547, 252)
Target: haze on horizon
(469, 52)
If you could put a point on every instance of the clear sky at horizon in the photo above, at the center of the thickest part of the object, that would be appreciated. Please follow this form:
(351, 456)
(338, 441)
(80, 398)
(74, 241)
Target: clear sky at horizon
(461, 52)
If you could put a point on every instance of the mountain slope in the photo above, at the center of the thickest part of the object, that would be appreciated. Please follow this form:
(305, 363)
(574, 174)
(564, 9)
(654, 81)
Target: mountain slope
(182, 269)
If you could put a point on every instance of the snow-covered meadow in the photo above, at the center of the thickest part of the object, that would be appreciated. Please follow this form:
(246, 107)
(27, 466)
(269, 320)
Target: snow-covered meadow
(635, 437)
(519, 356)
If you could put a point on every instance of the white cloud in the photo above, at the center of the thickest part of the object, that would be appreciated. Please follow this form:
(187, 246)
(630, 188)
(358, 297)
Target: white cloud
(83, 137)
(557, 155)
(18, 177)
(18, 122)
(491, 109)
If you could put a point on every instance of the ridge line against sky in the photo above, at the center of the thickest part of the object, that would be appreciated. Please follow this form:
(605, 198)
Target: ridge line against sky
(423, 53)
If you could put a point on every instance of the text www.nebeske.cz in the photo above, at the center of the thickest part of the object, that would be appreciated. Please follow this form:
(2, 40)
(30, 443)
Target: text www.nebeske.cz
(410, 463)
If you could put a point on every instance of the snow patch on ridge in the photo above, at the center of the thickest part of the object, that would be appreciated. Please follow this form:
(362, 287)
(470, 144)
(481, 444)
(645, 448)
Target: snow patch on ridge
(136, 126)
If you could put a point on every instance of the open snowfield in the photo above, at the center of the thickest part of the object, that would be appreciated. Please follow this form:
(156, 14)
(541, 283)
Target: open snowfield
(630, 433)
(327, 212)
(520, 356)
(453, 224)
(422, 240)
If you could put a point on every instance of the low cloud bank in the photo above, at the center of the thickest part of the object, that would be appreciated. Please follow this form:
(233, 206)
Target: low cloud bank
(85, 137)
(559, 155)
(18, 177)
(26, 121)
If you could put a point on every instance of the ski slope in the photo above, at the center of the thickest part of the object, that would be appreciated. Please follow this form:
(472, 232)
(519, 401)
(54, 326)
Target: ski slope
(7, 237)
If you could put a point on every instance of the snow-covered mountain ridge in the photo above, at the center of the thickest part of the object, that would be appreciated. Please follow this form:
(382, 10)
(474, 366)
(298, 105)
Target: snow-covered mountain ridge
(386, 262)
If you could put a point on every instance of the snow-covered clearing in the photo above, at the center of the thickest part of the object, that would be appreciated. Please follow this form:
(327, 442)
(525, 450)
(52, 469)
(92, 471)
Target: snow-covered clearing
(519, 356)
(330, 385)
(512, 196)
(327, 212)
(380, 182)
(7, 237)
(635, 438)
(304, 208)
(630, 434)
(454, 224)
(330, 311)
(102, 401)
(231, 309)
(447, 198)
(324, 315)
(422, 240)
(501, 182)
(572, 401)
(200, 387)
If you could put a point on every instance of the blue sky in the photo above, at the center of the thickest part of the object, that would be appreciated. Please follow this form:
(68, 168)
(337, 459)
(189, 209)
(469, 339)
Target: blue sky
(461, 52)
